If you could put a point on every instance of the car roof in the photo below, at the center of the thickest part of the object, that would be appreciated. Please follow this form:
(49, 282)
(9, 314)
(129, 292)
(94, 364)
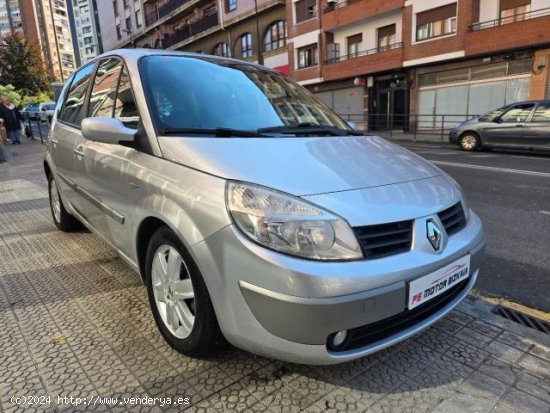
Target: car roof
(134, 54)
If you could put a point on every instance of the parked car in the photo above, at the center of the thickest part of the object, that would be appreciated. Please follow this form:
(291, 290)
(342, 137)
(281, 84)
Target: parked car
(522, 125)
(31, 111)
(253, 212)
(45, 111)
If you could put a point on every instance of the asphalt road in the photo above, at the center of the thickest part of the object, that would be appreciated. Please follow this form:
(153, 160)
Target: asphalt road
(511, 193)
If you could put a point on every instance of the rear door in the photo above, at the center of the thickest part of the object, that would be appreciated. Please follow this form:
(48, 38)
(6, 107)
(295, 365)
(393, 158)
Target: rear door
(66, 135)
(508, 128)
(536, 132)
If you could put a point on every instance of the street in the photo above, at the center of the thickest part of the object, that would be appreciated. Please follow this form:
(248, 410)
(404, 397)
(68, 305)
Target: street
(511, 193)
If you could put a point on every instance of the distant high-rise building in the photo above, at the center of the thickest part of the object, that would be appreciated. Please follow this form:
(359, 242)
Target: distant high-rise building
(46, 24)
(120, 22)
(10, 17)
(85, 27)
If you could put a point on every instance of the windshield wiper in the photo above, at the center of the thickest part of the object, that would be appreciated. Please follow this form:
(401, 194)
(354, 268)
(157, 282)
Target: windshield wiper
(308, 128)
(220, 132)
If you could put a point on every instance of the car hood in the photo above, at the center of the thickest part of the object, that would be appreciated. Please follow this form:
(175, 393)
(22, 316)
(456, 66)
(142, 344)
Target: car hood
(301, 165)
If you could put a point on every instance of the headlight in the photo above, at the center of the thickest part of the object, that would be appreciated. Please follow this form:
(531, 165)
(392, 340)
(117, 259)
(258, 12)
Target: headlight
(465, 203)
(290, 225)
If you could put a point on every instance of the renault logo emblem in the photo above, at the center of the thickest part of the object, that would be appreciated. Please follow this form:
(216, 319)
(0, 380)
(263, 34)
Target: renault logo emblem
(434, 234)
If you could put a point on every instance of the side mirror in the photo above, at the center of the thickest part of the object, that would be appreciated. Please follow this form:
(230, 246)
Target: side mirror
(106, 130)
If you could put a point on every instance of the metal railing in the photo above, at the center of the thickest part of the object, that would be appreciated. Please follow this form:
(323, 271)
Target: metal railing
(36, 126)
(511, 19)
(191, 30)
(333, 5)
(376, 50)
(409, 126)
(163, 10)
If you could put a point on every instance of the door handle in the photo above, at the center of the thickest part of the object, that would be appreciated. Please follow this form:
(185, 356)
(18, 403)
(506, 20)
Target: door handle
(79, 150)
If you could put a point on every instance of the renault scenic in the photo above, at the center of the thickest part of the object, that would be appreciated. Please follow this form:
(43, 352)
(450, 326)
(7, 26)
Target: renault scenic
(253, 213)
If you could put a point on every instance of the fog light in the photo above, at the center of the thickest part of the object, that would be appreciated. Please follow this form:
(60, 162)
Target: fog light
(339, 338)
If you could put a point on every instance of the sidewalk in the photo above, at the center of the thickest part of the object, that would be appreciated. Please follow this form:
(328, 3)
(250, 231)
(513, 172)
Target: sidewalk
(76, 323)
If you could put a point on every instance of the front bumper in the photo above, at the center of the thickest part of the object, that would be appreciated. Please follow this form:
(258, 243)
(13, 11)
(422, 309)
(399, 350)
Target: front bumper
(283, 307)
(453, 136)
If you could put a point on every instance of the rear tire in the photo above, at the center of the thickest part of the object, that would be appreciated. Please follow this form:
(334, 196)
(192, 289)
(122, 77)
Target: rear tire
(469, 142)
(61, 218)
(179, 298)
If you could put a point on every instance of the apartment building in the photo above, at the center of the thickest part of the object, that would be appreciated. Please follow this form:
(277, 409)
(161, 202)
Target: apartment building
(120, 22)
(10, 17)
(245, 29)
(385, 62)
(85, 29)
(46, 24)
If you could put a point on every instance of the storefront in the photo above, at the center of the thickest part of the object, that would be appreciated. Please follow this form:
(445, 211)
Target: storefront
(347, 102)
(449, 96)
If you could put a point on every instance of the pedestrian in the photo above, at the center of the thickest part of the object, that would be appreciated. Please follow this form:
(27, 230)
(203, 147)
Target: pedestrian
(11, 118)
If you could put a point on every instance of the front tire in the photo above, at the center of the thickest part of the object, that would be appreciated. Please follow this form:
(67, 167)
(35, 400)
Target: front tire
(61, 218)
(179, 298)
(469, 142)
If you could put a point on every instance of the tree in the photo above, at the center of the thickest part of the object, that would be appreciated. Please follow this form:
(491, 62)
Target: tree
(21, 66)
(11, 93)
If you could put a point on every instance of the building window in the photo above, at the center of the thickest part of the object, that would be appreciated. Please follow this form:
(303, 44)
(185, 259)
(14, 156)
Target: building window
(115, 8)
(308, 56)
(139, 21)
(514, 10)
(245, 43)
(129, 24)
(118, 32)
(221, 49)
(353, 43)
(275, 37)
(305, 10)
(88, 40)
(230, 5)
(86, 29)
(386, 37)
(436, 22)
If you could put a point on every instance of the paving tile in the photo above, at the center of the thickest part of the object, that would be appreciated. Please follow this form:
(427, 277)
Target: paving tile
(535, 386)
(467, 354)
(536, 366)
(504, 372)
(518, 401)
(503, 352)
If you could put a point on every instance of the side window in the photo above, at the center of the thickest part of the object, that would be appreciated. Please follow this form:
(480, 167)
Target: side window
(102, 98)
(75, 98)
(126, 108)
(517, 114)
(63, 95)
(542, 114)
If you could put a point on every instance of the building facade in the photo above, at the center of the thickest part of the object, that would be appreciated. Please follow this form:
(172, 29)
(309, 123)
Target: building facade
(397, 63)
(46, 24)
(120, 22)
(86, 34)
(10, 17)
(245, 29)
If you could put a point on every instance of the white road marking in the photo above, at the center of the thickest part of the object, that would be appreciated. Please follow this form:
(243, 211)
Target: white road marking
(491, 168)
(545, 212)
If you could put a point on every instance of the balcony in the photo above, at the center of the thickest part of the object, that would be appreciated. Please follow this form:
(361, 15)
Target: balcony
(364, 62)
(191, 30)
(503, 34)
(163, 10)
(345, 12)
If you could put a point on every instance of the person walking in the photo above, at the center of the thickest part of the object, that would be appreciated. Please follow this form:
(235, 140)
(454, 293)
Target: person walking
(11, 118)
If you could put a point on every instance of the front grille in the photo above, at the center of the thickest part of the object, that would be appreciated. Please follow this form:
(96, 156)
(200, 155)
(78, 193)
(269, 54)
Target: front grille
(453, 218)
(372, 333)
(379, 241)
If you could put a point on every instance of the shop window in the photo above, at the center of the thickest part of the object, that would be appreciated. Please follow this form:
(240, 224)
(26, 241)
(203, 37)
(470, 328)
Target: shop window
(514, 10)
(386, 37)
(428, 79)
(308, 56)
(519, 66)
(436, 22)
(275, 36)
(354, 43)
(452, 76)
(305, 10)
(489, 71)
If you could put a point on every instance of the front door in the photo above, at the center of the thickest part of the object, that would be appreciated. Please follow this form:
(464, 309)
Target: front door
(507, 130)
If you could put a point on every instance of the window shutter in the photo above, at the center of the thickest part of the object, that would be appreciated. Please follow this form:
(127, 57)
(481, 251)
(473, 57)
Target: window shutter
(301, 11)
(434, 15)
(512, 4)
(386, 31)
(356, 38)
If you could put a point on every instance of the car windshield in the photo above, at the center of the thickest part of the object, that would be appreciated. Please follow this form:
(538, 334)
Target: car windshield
(187, 93)
(491, 116)
(50, 106)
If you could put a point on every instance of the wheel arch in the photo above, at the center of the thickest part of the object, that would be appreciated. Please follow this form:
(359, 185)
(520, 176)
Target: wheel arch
(146, 229)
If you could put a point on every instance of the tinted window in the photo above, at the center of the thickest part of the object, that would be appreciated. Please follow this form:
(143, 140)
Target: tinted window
(75, 99)
(126, 108)
(542, 114)
(102, 98)
(189, 92)
(518, 113)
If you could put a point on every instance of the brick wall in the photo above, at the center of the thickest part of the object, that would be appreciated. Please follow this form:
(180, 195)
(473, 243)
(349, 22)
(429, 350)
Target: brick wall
(357, 11)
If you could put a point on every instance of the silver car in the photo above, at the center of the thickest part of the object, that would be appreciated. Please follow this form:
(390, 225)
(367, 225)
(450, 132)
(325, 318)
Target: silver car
(253, 213)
